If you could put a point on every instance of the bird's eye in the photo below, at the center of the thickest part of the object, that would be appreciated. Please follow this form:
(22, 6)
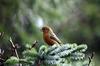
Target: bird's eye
(43, 29)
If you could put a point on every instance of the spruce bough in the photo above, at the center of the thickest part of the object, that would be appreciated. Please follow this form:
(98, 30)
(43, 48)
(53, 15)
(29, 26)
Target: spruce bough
(63, 55)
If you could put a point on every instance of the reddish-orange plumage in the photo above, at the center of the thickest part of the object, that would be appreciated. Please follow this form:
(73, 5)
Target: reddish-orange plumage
(49, 36)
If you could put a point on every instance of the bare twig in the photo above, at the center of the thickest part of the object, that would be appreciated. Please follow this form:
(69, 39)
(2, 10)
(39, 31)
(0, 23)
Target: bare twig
(24, 61)
(1, 34)
(1, 52)
(1, 59)
(90, 58)
(34, 44)
(14, 47)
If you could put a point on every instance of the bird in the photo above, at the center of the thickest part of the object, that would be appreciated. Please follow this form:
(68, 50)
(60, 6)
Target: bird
(49, 36)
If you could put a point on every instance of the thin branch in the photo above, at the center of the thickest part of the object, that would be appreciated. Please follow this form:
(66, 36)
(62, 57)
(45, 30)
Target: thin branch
(39, 63)
(24, 61)
(1, 34)
(34, 44)
(1, 59)
(90, 58)
(14, 47)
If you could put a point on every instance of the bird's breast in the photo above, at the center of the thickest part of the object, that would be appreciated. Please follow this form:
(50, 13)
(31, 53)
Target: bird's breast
(48, 40)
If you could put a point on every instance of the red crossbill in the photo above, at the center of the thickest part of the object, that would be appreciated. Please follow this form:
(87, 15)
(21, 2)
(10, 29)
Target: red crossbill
(49, 36)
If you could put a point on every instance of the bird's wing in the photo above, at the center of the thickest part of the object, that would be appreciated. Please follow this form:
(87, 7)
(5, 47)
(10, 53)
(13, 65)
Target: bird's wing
(54, 37)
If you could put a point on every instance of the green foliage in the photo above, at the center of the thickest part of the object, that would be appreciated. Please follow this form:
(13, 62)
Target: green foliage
(65, 54)
(12, 61)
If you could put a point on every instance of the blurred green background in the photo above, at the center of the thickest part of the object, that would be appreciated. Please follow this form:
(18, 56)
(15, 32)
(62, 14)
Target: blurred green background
(74, 21)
